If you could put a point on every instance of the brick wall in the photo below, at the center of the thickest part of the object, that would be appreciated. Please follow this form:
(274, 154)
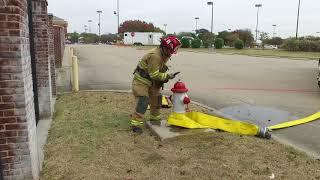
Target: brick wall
(51, 56)
(18, 143)
(59, 44)
(41, 40)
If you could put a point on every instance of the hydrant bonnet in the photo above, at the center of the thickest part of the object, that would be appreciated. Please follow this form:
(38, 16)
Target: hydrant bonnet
(179, 87)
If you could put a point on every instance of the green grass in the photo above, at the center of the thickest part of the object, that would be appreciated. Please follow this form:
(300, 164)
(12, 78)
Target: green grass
(255, 52)
(90, 139)
(267, 53)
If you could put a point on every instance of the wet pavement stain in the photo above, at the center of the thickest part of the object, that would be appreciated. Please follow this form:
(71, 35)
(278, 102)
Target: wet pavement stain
(259, 115)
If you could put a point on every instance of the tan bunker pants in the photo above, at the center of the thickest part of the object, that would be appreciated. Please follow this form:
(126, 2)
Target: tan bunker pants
(145, 95)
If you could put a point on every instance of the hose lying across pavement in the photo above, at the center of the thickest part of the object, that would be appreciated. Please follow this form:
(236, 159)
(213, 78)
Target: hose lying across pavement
(296, 122)
(197, 120)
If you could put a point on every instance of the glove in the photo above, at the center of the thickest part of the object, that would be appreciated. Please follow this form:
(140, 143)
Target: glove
(173, 75)
(164, 69)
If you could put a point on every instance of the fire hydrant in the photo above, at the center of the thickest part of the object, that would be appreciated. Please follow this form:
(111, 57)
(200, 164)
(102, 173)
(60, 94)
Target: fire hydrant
(180, 99)
(196, 120)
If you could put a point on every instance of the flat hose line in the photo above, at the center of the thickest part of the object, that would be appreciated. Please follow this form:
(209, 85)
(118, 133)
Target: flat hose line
(197, 120)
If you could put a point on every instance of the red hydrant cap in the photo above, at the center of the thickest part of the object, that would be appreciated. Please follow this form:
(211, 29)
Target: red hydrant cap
(179, 87)
(186, 100)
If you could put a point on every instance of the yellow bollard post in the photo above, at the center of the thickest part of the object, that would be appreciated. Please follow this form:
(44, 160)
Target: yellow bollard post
(75, 74)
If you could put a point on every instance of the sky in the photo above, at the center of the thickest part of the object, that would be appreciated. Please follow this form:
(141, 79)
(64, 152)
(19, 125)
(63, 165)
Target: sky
(179, 14)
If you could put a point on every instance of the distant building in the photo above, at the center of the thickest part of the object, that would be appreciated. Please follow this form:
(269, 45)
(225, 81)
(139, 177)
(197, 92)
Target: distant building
(142, 38)
(60, 35)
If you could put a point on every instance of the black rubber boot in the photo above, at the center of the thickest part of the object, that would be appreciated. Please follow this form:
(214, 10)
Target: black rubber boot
(137, 129)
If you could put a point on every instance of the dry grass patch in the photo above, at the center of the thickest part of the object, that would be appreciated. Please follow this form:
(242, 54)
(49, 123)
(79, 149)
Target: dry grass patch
(89, 139)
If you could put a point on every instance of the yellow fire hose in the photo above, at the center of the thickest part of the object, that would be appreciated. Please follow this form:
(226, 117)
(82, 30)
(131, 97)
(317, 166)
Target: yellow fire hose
(197, 120)
(296, 122)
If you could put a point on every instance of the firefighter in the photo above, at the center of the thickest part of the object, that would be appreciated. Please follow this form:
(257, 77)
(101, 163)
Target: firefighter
(149, 77)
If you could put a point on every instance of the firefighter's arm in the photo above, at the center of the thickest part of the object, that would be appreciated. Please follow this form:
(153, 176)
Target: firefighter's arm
(164, 69)
(154, 70)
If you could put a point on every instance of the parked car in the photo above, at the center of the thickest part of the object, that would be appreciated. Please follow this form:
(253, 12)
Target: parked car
(270, 47)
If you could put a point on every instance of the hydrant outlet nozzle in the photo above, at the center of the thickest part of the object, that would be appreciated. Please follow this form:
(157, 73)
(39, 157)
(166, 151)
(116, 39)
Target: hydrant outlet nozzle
(264, 133)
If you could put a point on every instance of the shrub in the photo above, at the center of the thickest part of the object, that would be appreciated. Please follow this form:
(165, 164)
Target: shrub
(304, 45)
(185, 43)
(315, 46)
(207, 39)
(196, 43)
(218, 43)
(239, 44)
(291, 45)
(301, 44)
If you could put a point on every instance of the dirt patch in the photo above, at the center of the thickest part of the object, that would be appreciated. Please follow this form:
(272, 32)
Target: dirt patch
(90, 139)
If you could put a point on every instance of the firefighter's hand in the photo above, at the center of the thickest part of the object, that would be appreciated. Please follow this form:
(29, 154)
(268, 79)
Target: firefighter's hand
(164, 69)
(173, 75)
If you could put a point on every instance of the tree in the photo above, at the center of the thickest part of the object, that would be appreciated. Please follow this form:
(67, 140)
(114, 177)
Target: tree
(312, 38)
(167, 35)
(196, 43)
(231, 39)
(274, 41)
(186, 34)
(89, 38)
(201, 31)
(246, 36)
(185, 42)
(223, 35)
(218, 43)
(264, 36)
(108, 38)
(207, 38)
(156, 29)
(73, 37)
(138, 26)
(239, 44)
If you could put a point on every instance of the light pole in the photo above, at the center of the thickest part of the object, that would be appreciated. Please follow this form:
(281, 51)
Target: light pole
(274, 30)
(257, 6)
(165, 28)
(117, 13)
(196, 18)
(99, 24)
(89, 22)
(298, 17)
(210, 3)
(118, 8)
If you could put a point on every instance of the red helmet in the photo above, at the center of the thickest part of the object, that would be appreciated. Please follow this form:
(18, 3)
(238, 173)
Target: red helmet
(172, 43)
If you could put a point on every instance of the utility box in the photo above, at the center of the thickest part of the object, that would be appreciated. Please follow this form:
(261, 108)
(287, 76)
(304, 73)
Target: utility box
(142, 38)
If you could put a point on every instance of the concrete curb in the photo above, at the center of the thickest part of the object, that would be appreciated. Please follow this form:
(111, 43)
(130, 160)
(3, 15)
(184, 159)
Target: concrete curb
(114, 91)
(275, 137)
(97, 91)
(213, 111)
